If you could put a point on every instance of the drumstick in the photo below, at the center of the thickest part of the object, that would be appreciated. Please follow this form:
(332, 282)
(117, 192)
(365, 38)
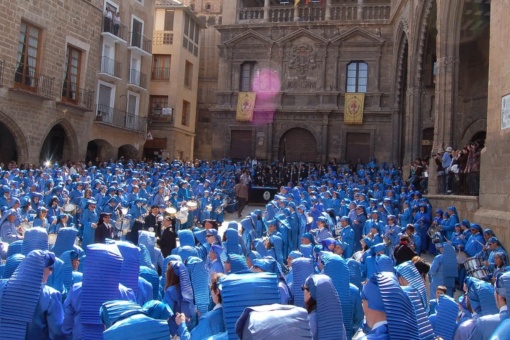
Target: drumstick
(483, 245)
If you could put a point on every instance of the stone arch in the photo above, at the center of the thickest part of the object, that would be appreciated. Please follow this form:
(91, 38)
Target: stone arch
(128, 151)
(472, 129)
(298, 144)
(421, 33)
(70, 147)
(98, 148)
(402, 63)
(19, 137)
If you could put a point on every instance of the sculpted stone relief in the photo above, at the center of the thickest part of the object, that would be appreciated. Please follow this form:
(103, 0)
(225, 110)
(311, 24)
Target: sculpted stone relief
(302, 67)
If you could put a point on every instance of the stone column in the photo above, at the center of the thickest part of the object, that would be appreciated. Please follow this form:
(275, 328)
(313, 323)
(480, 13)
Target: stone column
(266, 10)
(360, 10)
(327, 13)
(296, 13)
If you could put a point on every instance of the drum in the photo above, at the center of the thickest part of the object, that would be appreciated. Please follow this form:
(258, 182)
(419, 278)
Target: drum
(357, 256)
(208, 207)
(309, 219)
(52, 238)
(192, 205)
(472, 264)
(479, 273)
(69, 208)
(182, 216)
(25, 226)
(461, 257)
(124, 211)
(171, 211)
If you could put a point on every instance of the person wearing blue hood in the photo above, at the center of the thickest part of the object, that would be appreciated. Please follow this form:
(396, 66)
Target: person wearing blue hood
(209, 324)
(347, 236)
(322, 232)
(486, 325)
(475, 242)
(29, 310)
(8, 231)
(324, 308)
(388, 310)
(215, 264)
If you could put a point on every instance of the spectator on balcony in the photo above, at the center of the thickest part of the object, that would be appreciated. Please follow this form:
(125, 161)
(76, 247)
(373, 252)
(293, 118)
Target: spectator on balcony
(441, 178)
(108, 20)
(473, 168)
(116, 23)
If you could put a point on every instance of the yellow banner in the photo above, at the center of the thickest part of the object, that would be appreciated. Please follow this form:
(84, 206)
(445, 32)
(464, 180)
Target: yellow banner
(245, 105)
(354, 105)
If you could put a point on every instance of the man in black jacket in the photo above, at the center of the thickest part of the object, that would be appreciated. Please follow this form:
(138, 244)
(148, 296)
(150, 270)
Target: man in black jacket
(168, 240)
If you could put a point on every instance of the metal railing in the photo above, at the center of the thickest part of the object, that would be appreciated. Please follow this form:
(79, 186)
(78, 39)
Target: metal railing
(78, 96)
(140, 41)
(111, 67)
(121, 119)
(160, 74)
(137, 78)
(115, 28)
(27, 79)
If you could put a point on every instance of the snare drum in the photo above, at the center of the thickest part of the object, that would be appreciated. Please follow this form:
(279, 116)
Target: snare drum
(461, 257)
(52, 238)
(192, 205)
(69, 208)
(479, 273)
(472, 264)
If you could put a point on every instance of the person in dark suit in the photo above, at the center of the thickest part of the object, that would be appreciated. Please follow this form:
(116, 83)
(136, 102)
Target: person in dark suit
(151, 220)
(168, 240)
(104, 230)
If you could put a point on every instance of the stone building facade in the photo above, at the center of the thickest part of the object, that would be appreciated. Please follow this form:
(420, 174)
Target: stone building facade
(53, 70)
(423, 90)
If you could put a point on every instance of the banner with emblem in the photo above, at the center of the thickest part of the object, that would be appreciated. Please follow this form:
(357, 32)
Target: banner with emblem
(245, 106)
(354, 105)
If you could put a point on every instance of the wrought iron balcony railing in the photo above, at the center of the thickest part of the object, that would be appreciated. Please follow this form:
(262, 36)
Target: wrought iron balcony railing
(26, 78)
(120, 119)
(141, 41)
(111, 67)
(137, 78)
(77, 96)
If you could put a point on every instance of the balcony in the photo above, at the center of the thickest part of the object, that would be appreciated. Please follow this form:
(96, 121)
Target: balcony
(111, 67)
(160, 74)
(27, 79)
(140, 43)
(315, 12)
(116, 32)
(78, 96)
(162, 116)
(120, 119)
(137, 78)
(163, 38)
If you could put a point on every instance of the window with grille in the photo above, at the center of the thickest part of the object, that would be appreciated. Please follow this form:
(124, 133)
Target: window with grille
(70, 85)
(28, 56)
(161, 67)
(157, 103)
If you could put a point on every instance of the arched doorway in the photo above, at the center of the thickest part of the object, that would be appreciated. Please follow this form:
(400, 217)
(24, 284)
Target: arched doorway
(8, 147)
(56, 146)
(479, 138)
(127, 151)
(97, 149)
(298, 145)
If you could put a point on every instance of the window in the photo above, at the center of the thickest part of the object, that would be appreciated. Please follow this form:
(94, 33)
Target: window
(169, 20)
(105, 98)
(161, 67)
(207, 6)
(137, 33)
(70, 86)
(188, 74)
(249, 72)
(157, 103)
(27, 59)
(197, 31)
(186, 25)
(357, 75)
(132, 111)
(186, 109)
